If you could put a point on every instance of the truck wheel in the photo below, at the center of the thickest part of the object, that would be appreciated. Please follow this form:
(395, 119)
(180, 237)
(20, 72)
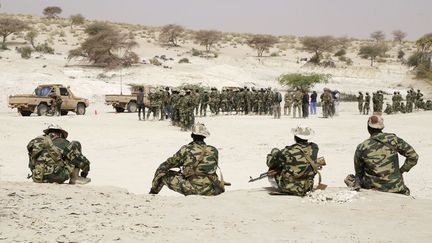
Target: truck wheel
(132, 106)
(25, 113)
(81, 109)
(119, 109)
(42, 109)
(64, 113)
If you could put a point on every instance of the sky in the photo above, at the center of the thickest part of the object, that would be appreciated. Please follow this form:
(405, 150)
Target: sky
(352, 18)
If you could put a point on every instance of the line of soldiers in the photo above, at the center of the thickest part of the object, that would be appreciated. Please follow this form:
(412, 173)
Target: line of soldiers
(413, 100)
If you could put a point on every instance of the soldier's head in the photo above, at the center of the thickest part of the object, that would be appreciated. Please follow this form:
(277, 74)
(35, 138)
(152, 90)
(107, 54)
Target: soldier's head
(140, 89)
(367, 93)
(167, 88)
(188, 92)
(375, 124)
(56, 130)
(360, 92)
(302, 133)
(394, 92)
(199, 132)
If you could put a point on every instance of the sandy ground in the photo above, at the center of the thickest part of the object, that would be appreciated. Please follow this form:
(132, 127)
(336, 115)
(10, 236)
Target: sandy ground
(124, 154)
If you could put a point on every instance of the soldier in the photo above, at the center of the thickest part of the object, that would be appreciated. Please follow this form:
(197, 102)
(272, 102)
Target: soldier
(165, 102)
(402, 108)
(276, 105)
(409, 101)
(366, 106)
(196, 98)
(288, 99)
(214, 101)
(389, 109)
(394, 102)
(305, 104)
(248, 101)
(186, 108)
(155, 103)
(380, 98)
(204, 102)
(53, 159)
(175, 115)
(294, 167)
(376, 160)
(360, 101)
(375, 102)
(428, 105)
(198, 163)
(326, 100)
(297, 104)
(140, 103)
(56, 102)
(224, 100)
(418, 97)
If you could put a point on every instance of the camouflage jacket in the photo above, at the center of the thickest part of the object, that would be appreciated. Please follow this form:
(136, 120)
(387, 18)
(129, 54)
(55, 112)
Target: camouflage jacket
(198, 163)
(52, 159)
(377, 164)
(296, 174)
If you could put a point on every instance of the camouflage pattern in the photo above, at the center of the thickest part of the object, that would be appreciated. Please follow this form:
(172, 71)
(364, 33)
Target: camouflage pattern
(155, 98)
(360, 101)
(288, 101)
(295, 174)
(366, 106)
(186, 107)
(204, 101)
(214, 101)
(198, 163)
(428, 105)
(377, 165)
(297, 104)
(52, 159)
(389, 109)
(409, 101)
(326, 100)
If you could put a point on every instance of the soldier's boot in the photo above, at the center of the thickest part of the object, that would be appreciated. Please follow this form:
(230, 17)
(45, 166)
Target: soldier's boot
(352, 182)
(76, 179)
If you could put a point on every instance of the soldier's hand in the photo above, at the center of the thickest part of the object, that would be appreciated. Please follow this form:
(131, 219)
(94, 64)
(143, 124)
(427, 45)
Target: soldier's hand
(84, 174)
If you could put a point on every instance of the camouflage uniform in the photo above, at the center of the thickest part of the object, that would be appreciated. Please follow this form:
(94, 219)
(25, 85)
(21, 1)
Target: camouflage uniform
(409, 101)
(380, 104)
(198, 163)
(366, 106)
(377, 164)
(326, 100)
(155, 98)
(175, 115)
(360, 101)
(165, 101)
(214, 101)
(186, 108)
(389, 109)
(288, 101)
(204, 103)
(296, 174)
(53, 159)
(297, 105)
(428, 105)
(248, 101)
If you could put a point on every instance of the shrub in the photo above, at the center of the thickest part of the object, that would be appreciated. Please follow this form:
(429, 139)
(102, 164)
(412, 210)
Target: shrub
(184, 60)
(340, 53)
(196, 52)
(26, 52)
(44, 48)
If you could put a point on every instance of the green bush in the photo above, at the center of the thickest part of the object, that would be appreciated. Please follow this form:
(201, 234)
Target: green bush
(184, 60)
(340, 53)
(196, 52)
(26, 52)
(44, 48)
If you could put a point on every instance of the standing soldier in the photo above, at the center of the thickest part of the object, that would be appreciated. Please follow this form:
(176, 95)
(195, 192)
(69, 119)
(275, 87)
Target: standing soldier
(248, 101)
(409, 102)
(197, 98)
(186, 107)
(297, 105)
(288, 99)
(360, 101)
(418, 97)
(165, 100)
(277, 104)
(380, 98)
(175, 115)
(366, 106)
(204, 102)
(140, 103)
(326, 100)
(394, 102)
(269, 100)
(214, 101)
(224, 101)
(374, 102)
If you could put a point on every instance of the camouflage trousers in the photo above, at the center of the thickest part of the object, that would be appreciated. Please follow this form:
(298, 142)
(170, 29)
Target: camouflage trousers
(297, 107)
(196, 185)
(203, 109)
(297, 187)
(186, 119)
(49, 173)
(287, 109)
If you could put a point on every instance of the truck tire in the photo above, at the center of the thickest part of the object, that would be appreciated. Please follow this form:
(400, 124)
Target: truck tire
(42, 109)
(64, 113)
(132, 106)
(81, 109)
(25, 113)
(119, 109)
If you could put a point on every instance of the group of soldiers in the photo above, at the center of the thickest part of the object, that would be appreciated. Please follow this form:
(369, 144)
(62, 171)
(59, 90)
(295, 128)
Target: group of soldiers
(413, 100)
(193, 169)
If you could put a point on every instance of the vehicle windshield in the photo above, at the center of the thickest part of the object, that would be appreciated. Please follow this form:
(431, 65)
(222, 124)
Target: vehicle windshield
(42, 91)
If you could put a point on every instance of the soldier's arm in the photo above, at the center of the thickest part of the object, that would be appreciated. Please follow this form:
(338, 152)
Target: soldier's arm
(358, 163)
(273, 159)
(173, 162)
(411, 156)
(315, 150)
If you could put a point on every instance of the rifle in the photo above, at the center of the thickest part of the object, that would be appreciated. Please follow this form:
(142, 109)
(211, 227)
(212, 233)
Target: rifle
(263, 175)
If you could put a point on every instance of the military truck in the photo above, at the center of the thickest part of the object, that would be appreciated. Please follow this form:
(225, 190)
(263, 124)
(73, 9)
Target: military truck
(40, 101)
(128, 102)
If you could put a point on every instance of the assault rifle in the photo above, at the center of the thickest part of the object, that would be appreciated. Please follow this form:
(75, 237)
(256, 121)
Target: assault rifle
(319, 162)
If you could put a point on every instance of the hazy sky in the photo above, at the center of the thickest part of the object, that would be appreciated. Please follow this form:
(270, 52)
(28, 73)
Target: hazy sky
(354, 18)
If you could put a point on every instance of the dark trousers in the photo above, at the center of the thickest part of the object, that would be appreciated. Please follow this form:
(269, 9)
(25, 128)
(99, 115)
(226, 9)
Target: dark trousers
(305, 109)
(141, 108)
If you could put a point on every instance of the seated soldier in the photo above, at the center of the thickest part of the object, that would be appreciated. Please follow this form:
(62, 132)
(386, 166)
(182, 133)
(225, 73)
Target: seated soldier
(376, 161)
(198, 163)
(388, 110)
(53, 159)
(295, 166)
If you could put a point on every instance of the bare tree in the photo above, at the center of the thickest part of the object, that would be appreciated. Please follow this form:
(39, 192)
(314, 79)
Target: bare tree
(10, 26)
(319, 45)
(378, 36)
(208, 38)
(262, 43)
(373, 51)
(76, 19)
(107, 47)
(399, 36)
(170, 34)
(52, 12)
(31, 36)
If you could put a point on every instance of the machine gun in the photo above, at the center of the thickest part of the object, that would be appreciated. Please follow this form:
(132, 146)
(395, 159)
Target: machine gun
(263, 175)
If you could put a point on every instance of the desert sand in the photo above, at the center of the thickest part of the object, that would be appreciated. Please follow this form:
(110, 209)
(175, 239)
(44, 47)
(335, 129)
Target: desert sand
(124, 154)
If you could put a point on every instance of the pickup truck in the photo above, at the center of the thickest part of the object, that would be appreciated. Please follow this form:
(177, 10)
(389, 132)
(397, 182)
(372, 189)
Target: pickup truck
(40, 101)
(121, 102)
